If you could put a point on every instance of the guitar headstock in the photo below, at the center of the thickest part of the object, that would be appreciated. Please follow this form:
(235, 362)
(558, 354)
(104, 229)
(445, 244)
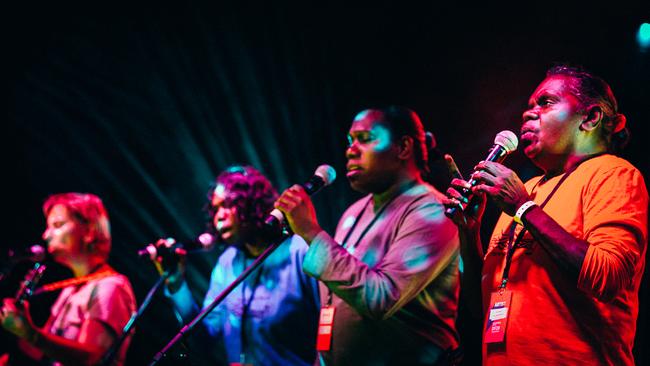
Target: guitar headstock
(30, 282)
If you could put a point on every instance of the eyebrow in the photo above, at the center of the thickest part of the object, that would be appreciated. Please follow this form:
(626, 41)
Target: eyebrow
(544, 94)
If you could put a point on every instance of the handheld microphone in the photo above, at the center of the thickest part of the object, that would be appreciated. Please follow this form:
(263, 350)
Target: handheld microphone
(323, 176)
(505, 142)
(203, 242)
(34, 253)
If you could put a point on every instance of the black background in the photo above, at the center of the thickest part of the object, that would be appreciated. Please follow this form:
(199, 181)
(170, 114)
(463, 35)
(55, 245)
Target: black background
(143, 104)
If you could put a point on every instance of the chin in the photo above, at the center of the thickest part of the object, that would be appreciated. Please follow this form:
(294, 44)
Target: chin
(531, 152)
(358, 186)
(60, 258)
(226, 238)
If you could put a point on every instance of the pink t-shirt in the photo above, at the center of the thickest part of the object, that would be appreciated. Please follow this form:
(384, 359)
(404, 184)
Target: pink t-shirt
(109, 300)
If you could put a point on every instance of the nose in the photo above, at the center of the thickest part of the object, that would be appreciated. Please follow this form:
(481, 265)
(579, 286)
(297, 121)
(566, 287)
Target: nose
(46, 235)
(221, 214)
(352, 151)
(529, 115)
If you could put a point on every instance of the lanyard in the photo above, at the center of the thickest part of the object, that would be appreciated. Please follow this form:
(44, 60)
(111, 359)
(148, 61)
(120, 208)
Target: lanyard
(365, 230)
(512, 246)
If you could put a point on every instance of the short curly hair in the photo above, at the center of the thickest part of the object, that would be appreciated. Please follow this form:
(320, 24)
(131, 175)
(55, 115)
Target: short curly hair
(247, 189)
(89, 210)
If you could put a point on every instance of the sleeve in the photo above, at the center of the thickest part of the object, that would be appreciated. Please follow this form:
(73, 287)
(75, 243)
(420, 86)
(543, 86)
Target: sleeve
(214, 320)
(205, 337)
(113, 303)
(183, 302)
(615, 225)
(426, 241)
(308, 284)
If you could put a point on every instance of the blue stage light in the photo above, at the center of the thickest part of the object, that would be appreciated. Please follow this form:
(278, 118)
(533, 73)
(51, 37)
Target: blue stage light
(643, 35)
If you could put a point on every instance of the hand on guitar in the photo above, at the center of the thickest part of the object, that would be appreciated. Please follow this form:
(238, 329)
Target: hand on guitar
(16, 319)
(14, 314)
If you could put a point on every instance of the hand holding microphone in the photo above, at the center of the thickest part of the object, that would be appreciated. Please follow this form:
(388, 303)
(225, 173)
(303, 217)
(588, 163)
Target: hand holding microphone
(295, 205)
(169, 246)
(170, 256)
(504, 143)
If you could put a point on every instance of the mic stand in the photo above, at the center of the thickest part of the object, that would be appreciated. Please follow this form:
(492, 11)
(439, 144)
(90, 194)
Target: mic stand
(217, 300)
(109, 356)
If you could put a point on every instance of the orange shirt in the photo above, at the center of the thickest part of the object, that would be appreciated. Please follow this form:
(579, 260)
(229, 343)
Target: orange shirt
(553, 319)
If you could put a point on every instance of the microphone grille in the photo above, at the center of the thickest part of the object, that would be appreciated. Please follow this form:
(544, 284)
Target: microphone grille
(507, 139)
(327, 173)
(38, 252)
(206, 240)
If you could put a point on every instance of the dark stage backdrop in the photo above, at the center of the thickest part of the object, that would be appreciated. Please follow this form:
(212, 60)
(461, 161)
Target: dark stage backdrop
(144, 104)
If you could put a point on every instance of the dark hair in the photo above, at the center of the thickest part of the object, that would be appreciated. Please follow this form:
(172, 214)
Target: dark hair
(402, 121)
(591, 89)
(89, 210)
(249, 190)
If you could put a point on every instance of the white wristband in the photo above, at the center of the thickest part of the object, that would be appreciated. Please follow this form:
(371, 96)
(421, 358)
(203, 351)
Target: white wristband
(522, 210)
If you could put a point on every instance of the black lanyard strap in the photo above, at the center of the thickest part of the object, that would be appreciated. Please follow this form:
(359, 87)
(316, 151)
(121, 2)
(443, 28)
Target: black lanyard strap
(381, 210)
(512, 246)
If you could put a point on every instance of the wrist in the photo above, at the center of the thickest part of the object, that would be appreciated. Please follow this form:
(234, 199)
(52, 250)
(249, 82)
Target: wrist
(33, 336)
(174, 283)
(311, 234)
(522, 210)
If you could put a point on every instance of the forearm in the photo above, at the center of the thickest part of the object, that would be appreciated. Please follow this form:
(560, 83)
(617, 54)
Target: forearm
(349, 278)
(66, 351)
(568, 251)
(378, 291)
(182, 301)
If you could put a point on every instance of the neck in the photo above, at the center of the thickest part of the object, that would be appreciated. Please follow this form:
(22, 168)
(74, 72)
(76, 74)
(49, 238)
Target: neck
(569, 162)
(254, 250)
(85, 267)
(402, 184)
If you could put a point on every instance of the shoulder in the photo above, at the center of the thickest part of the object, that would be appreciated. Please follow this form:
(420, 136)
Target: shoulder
(419, 197)
(225, 262)
(421, 205)
(297, 245)
(610, 170)
(358, 205)
(114, 281)
(352, 212)
(113, 286)
(290, 252)
(228, 255)
(607, 163)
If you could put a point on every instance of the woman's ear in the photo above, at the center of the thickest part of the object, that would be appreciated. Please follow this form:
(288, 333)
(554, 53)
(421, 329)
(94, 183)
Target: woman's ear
(405, 147)
(593, 117)
(89, 238)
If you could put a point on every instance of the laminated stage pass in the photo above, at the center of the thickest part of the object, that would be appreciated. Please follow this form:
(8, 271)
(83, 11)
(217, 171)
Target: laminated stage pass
(495, 329)
(325, 323)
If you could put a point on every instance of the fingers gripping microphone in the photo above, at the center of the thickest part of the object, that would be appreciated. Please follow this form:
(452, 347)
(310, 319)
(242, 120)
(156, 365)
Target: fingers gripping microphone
(203, 242)
(323, 176)
(505, 142)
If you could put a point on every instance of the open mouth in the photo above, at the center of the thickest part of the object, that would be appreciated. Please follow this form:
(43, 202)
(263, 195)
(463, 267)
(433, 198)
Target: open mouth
(527, 136)
(223, 229)
(353, 170)
(352, 167)
(526, 139)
